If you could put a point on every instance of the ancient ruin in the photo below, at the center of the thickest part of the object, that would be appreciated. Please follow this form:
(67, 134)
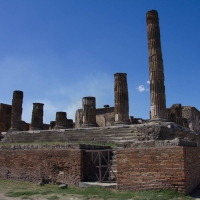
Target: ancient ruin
(106, 144)
(121, 99)
(89, 112)
(61, 120)
(37, 117)
(16, 110)
(156, 70)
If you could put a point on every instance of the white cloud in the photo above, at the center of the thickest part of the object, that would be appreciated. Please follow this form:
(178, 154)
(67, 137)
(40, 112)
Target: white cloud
(141, 88)
(148, 82)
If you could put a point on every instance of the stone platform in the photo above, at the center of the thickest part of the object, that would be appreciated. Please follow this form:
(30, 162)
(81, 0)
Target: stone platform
(117, 135)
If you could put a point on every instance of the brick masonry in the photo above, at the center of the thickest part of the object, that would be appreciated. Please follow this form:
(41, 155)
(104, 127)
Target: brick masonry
(158, 168)
(50, 165)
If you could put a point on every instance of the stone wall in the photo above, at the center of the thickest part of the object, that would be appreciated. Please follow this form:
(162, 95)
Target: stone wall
(192, 115)
(47, 165)
(5, 117)
(104, 117)
(158, 168)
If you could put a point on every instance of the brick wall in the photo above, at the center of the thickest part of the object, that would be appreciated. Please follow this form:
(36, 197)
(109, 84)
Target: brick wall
(151, 168)
(51, 165)
(159, 168)
(192, 168)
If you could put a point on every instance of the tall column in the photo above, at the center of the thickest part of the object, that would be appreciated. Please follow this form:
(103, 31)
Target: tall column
(61, 120)
(156, 69)
(37, 117)
(121, 99)
(16, 116)
(89, 112)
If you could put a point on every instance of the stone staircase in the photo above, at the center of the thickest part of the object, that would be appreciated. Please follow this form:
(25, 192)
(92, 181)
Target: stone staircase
(101, 136)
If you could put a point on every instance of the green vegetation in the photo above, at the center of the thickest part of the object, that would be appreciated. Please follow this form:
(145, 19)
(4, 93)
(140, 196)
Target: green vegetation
(24, 190)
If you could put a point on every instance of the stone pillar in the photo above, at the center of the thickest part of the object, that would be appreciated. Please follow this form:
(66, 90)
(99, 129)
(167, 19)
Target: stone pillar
(37, 117)
(121, 99)
(156, 69)
(89, 112)
(16, 116)
(61, 120)
(70, 123)
(52, 124)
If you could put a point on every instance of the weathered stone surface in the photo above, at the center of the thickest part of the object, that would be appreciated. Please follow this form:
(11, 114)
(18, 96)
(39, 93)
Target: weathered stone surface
(192, 117)
(70, 123)
(89, 112)
(37, 117)
(16, 110)
(61, 120)
(156, 69)
(5, 117)
(161, 143)
(174, 114)
(52, 124)
(121, 99)
(104, 117)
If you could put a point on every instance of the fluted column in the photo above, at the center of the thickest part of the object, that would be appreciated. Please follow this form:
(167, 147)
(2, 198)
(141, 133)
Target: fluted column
(37, 117)
(156, 69)
(16, 111)
(89, 112)
(121, 99)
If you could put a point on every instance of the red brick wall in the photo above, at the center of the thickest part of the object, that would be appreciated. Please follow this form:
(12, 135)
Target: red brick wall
(52, 165)
(151, 168)
(192, 168)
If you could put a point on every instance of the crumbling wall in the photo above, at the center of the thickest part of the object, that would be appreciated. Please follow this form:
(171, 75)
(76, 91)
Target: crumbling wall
(174, 114)
(47, 165)
(104, 117)
(193, 117)
(5, 117)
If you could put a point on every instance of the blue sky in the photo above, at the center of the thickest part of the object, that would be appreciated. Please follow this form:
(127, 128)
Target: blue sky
(57, 52)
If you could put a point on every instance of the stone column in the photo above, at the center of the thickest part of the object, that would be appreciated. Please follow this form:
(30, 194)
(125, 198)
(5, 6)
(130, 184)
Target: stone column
(16, 116)
(89, 112)
(52, 124)
(37, 117)
(70, 123)
(61, 120)
(121, 99)
(156, 69)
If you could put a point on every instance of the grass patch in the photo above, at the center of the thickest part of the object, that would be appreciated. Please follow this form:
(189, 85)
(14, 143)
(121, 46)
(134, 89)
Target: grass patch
(26, 190)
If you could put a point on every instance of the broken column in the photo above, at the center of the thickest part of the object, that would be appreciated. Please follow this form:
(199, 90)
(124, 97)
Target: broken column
(121, 99)
(37, 117)
(52, 124)
(70, 123)
(156, 69)
(16, 116)
(89, 112)
(61, 120)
